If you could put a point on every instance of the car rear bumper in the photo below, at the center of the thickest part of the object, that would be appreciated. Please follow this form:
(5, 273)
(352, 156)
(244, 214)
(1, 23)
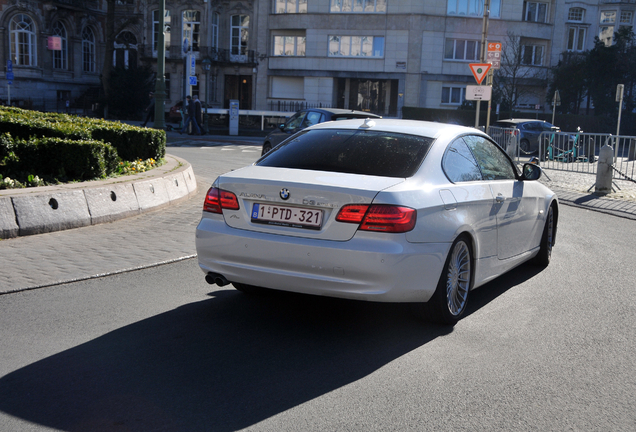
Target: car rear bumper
(370, 266)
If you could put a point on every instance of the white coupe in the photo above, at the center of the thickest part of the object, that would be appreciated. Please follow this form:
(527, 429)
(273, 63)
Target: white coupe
(379, 210)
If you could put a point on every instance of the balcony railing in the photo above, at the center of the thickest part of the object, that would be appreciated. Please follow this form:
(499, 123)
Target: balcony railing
(222, 55)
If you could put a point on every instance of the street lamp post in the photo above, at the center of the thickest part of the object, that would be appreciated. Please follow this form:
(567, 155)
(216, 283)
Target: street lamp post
(206, 63)
(160, 85)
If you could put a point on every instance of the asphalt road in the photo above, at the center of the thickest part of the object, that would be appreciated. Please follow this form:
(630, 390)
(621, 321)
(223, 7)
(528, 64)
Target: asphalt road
(159, 349)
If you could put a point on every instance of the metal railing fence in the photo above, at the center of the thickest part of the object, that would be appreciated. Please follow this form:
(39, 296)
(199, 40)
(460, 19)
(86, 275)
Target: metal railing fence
(572, 151)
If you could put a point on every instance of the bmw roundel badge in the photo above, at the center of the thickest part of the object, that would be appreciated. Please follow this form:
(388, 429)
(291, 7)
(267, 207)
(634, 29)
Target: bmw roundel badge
(284, 193)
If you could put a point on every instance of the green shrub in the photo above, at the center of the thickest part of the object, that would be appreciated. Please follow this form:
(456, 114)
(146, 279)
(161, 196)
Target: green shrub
(61, 158)
(131, 142)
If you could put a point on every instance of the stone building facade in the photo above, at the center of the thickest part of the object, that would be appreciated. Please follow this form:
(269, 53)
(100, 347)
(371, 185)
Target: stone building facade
(376, 55)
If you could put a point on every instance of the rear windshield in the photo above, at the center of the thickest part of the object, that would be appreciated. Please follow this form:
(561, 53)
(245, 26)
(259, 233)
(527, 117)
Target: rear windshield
(375, 153)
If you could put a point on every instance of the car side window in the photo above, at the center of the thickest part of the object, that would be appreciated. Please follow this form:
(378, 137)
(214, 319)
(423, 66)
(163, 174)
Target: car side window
(295, 121)
(492, 161)
(459, 163)
(311, 119)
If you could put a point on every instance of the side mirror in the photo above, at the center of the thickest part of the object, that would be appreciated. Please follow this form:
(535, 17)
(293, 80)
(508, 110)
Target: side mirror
(281, 126)
(531, 172)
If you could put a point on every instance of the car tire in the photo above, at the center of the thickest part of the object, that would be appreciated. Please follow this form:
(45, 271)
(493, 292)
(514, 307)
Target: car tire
(249, 289)
(449, 302)
(266, 148)
(547, 240)
(524, 145)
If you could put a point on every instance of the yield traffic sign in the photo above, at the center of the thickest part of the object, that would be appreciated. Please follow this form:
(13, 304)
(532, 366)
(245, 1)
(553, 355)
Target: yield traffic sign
(479, 70)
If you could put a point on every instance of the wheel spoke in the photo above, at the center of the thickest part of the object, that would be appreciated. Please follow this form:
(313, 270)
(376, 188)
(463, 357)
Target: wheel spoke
(458, 278)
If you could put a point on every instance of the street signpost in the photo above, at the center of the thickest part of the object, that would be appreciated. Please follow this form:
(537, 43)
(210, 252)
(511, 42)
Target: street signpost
(494, 54)
(193, 80)
(556, 101)
(478, 92)
(192, 61)
(620, 88)
(479, 70)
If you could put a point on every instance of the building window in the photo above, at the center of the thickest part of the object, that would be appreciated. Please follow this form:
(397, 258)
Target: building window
(626, 17)
(166, 79)
(460, 49)
(473, 8)
(156, 28)
(608, 17)
(215, 30)
(576, 39)
(290, 6)
(191, 26)
(60, 56)
(606, 35)
(22, 46)
(356, 46)
(125, 52)
(532, 55)
(239, 34)
(289, 46)
(535, 12)
(576, 14)
(358, 6)
(88, 50)
(453, 95)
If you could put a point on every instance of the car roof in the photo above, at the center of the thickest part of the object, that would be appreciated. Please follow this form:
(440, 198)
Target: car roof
(340, 112)
(411, 127)
(521, 120)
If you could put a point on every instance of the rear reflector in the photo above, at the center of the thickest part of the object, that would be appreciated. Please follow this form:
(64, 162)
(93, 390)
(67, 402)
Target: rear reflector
(217, 199)
(376, 217)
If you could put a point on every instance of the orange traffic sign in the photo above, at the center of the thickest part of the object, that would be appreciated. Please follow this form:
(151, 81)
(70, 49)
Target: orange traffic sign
(494, 46)
(479, 70)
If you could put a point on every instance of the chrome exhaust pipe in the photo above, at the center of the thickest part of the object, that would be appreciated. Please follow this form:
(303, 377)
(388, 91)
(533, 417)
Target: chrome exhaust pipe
(215, 278)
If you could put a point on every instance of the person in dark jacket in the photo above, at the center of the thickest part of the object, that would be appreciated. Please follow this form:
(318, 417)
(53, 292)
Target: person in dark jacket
(197, 112)
(190, 117)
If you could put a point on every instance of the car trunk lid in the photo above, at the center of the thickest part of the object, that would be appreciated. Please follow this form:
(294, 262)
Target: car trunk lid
(298, 203)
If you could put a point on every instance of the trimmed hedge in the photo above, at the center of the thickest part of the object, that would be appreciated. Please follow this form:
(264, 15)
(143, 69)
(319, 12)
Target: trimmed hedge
(58, 157)
(132, 143)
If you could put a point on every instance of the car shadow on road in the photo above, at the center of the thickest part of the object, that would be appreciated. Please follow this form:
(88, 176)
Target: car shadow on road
(221, 364)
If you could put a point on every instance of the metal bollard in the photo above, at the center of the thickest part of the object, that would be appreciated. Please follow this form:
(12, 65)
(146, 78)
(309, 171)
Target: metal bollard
(604, 171)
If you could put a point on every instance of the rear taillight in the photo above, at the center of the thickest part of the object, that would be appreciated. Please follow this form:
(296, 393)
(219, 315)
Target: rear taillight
(217, 199)
(376, 217)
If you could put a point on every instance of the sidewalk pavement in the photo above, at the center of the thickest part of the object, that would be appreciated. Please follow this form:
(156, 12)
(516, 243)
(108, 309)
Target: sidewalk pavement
(158, 237)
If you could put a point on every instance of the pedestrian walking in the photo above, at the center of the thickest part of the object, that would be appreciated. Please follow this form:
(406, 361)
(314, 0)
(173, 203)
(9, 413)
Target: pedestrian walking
(190, 116)
(150, 109)
(197, 112)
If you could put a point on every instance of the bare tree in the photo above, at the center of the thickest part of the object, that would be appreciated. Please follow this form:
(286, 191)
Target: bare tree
(517, 78)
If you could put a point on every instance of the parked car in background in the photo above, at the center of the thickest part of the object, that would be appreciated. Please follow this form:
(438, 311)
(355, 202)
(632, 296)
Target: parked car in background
(379, 210)
(528, 132)
(308, 117)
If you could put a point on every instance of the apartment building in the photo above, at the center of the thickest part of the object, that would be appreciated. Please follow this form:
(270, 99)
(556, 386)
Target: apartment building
(376, 55)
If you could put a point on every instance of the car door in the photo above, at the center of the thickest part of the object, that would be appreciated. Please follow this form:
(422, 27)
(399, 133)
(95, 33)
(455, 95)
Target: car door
(516, 207)
(469, 198)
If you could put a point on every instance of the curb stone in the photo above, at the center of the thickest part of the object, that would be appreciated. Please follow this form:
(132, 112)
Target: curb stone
(53, 208)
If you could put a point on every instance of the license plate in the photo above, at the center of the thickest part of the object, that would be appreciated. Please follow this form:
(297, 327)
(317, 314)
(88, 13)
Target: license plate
(296, 217)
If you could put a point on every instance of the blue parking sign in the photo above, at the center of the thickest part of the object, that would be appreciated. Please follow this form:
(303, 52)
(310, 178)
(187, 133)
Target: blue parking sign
(9, 66)
(193, 80)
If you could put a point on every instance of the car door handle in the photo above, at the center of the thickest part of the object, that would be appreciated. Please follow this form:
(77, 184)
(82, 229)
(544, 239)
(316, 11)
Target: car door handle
(500, 198)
